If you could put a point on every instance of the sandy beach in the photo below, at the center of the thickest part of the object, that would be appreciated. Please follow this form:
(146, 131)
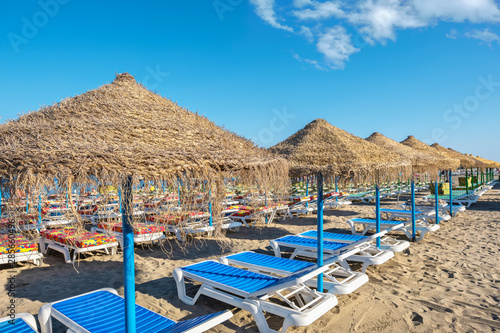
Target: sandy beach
(449, 282)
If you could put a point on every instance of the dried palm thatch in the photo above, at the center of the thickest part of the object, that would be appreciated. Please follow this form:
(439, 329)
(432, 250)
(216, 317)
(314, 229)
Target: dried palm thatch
(123, 129)
(420, 161)
(465, 161)
(487, 163)
(443, 161)
(320, 146)
(106, 135)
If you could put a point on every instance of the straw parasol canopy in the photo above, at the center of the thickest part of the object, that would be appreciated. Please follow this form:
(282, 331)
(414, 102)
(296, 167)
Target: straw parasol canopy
(123, 129)
(322, 147)
(420, 161)
(444, 162)
(465, 161)
(487, 163)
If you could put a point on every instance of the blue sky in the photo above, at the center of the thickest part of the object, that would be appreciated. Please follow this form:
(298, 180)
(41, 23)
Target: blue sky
(265, 68)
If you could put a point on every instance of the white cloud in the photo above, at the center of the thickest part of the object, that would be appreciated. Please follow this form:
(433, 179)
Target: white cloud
(311, 62)
(322, 10)
(265, 9)
(335, 44)
(453, 34)
(307, 33)
(374, 21)
(378, 20)
(485, 36)
(475, 11)
(302, 3)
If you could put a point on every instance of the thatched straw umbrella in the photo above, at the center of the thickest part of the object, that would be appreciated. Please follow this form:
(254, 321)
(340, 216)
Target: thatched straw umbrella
(117, 133)
(420, 161)
(323, 149)
(444, 162)
(489, 164)
(466, 162)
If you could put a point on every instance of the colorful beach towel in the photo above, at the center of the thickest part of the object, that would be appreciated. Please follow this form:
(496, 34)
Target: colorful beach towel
(22, 244)
(82, 239)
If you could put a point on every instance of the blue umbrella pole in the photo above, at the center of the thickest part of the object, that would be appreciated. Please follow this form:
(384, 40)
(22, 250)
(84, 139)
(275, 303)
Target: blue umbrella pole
(436, 200)
(450, 180)
(320, 229)
(128, 255)
(413, 218)
(377, 213)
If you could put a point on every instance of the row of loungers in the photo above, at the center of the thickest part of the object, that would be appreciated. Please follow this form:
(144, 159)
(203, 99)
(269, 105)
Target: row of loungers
(101, 311)
(263, 284)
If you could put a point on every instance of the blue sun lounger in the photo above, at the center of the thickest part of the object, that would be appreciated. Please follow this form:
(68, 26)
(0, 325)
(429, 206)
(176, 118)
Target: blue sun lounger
(421, 227)
(337, 280)
(22, 323)
(387, 243)
(360, 251)
(288, 297)
(102, 311)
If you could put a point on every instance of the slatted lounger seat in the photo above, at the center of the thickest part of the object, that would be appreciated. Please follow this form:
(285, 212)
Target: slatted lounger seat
(444, 209)
(102, 311)
(69, 239)
(257, 293)
(184, 224)
(461, 198)
(143, 232)
(23, 250)
(391, 214)
(386, 242)
(361, 251)
(362, 196)
(245, 216)
(22, 323)
(421, 227)
(337, 280)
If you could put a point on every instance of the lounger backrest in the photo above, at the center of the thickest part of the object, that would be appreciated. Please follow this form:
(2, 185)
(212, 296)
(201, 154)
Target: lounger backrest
(297, 241)
(242, 282)
(373, 221)
(257, 259)
(102, 311)
(333, 236)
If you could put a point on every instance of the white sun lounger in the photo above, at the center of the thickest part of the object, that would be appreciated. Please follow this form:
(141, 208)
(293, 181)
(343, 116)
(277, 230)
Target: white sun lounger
(421, 227)
(337, 280)
(21, 323)
(228, 224)
(386, 242)
(443, 209)
(103, 311)
(256, 292)
(138, 238)
(46, 244)
(360, 251)
(391, 214)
